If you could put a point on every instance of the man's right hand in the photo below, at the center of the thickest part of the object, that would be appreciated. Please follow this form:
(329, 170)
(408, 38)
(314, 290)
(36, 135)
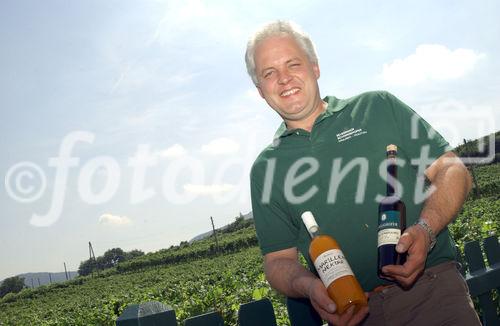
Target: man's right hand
(327, 309)
(288, 276)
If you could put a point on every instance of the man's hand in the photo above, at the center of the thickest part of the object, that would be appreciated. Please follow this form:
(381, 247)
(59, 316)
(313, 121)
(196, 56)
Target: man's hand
(326, 308)
(415, 241)
(288, 276)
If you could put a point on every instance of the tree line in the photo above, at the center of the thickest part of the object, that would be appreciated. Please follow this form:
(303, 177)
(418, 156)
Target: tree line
(109, 259)
(12, 284)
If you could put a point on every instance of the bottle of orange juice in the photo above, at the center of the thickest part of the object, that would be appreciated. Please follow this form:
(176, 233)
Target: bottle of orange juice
(333, 269)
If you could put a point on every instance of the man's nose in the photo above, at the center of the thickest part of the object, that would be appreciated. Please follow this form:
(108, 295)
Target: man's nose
(284, 77)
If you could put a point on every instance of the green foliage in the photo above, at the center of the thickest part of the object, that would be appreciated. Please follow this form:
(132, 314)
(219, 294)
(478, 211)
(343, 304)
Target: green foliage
(474, 148)
(478, 220)
(228, 243)
(112, 257)
(86, 267)
(133, 254)
(11, 285)
(238, 224)
(488, 180)
(191, 288)
(480, 217)
(108, 260)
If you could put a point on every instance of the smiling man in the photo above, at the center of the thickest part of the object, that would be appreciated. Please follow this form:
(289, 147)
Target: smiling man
(287, 81)
(326, 158)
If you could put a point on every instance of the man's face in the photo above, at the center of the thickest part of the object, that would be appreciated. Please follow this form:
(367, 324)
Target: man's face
(287, 79)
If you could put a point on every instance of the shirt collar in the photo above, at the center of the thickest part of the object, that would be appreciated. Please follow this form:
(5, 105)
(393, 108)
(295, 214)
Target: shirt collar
(334, 105)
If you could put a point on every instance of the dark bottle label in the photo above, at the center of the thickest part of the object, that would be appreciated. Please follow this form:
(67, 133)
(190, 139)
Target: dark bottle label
(391, 223)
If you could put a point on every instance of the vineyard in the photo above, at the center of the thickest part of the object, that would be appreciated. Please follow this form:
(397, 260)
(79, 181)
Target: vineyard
(191, 288)
(480, 215)
(200, 277)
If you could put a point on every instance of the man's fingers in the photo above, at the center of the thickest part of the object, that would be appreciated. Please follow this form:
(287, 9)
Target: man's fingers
(327, 309)
(347, 315)
(341, 320)
(359, 316)
(324, 314)
(319, 295)
(385, 277)
(407, 281)
(414, 242)
(331, 308)
(403, 275)
(395, 271)
(348, 318)
(326, 302)
(399, 272)
(404, 242)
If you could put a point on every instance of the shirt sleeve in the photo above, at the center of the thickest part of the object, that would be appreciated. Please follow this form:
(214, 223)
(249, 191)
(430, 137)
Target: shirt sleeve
(417, 135)
(273, 224)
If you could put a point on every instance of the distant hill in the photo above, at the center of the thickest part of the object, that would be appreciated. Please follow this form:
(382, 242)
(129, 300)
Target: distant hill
(209, 233)
(45, 278)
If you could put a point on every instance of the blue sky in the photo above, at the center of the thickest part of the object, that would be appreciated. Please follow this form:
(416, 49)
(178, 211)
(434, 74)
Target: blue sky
(162, 85)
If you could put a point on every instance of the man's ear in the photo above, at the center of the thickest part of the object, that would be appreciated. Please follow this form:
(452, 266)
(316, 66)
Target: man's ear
(316, 70)
(260, 91)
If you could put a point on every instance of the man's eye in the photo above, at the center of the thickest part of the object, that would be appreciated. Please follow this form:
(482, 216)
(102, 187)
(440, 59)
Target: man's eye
(294, 65)
(268, 74)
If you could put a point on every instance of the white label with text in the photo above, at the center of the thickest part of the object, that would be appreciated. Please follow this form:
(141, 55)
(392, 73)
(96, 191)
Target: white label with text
(388, 236)
(332, 265)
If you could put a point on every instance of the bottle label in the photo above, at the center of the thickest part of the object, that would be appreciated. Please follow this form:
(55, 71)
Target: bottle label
(332, 265)
(389, 228)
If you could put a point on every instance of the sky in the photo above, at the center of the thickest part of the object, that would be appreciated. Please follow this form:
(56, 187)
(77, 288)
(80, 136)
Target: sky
(129, 123)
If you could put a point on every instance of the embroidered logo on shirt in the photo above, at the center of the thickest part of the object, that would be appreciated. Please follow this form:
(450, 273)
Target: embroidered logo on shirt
(350, 133)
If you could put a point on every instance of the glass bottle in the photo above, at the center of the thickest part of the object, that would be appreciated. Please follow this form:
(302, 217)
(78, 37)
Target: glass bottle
(332, 266)
(391, 217)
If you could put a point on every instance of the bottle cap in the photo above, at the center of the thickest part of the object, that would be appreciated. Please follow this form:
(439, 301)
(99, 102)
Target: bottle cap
(392, 147)
(309, 222)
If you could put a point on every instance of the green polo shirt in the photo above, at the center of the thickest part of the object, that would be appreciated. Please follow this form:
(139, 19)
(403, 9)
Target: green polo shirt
(337, 171)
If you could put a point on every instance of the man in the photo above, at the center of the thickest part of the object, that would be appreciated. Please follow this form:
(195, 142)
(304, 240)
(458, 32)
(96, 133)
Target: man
(326, 158)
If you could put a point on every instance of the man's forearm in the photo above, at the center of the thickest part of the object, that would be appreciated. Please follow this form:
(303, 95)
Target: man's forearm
(452, 183)
(289, 277)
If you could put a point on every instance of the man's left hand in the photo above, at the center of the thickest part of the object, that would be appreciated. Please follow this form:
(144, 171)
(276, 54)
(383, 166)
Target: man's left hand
(414, 241)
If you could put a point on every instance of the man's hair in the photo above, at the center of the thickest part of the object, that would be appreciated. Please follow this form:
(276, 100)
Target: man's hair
(278, 28)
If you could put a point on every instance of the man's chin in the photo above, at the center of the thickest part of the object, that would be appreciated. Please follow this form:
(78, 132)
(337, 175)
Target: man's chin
(294, 109)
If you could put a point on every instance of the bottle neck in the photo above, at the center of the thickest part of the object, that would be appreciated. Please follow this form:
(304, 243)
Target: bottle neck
(392, 174)
(314, 231)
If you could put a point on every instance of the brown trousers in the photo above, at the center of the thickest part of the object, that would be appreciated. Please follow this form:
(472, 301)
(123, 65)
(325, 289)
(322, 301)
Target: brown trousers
(439, 297)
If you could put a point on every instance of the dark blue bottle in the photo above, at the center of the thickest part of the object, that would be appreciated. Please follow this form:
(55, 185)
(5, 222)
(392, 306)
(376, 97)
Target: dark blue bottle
(391, 217)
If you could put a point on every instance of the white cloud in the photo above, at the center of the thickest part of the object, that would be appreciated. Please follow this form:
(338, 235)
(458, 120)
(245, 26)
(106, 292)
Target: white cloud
(109, 219)
(456, 120)
(215, 189)
(221, 146)
(144, 156)
(174, 151)
(431, 62)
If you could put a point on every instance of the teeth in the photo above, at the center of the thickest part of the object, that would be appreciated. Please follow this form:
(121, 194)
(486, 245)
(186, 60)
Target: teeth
(290, 92)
